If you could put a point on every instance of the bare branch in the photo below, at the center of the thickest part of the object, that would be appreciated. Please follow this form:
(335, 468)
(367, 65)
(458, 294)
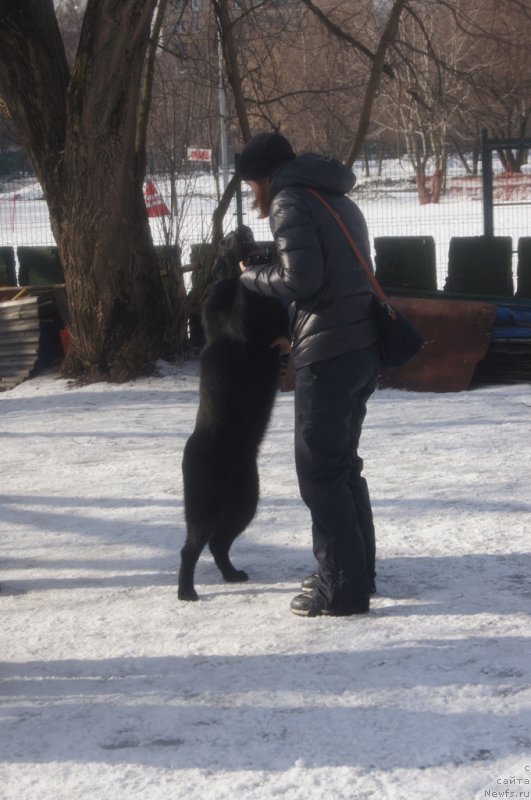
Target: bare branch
(346, 37)
(146, 91)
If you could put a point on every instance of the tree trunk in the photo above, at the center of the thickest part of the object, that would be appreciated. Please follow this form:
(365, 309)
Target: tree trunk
(230, 56)
(512, 164)
(378, 67)
(461, 155)
(79, 132)
(113, 282)
(475, 160)
(423, 192)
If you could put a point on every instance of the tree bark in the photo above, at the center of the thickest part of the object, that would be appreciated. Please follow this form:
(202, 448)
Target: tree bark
(79, 131)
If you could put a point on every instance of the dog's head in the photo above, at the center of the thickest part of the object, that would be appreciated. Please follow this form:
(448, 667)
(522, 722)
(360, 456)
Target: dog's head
(238, 245)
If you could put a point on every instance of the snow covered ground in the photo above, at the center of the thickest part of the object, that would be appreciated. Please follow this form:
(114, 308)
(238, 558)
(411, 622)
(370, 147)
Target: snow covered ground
(111, 689)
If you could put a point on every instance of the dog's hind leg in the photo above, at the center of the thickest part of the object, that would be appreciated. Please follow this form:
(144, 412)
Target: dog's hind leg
(203, 497)
(240, 505)
(220, 545)
(189, 557)
(190, 553)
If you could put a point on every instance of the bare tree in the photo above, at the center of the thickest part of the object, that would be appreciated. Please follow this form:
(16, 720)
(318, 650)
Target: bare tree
(502, 81)
(461, 67)
(79, 129)
(304, 67)
(330, 73)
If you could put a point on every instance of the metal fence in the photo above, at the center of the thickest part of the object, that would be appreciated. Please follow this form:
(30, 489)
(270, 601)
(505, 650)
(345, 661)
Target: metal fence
(386, 192)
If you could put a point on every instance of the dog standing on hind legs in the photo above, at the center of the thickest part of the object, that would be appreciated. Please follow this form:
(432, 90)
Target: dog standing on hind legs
(239, 378)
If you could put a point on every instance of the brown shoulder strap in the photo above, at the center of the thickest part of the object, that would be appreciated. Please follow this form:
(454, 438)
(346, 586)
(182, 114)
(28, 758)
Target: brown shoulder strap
(374, 283)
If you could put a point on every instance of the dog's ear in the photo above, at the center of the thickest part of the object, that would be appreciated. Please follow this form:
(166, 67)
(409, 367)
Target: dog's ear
(245, 235)
(228, 258)
(228, 243)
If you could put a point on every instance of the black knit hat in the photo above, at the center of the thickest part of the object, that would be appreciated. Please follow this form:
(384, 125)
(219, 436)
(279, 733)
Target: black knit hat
(262, 155)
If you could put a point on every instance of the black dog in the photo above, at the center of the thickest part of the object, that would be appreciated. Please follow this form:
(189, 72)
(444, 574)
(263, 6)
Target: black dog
(239, 379)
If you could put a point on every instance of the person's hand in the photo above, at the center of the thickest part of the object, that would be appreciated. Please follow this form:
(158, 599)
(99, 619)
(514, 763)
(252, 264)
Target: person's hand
(242, 266)
(283, 344)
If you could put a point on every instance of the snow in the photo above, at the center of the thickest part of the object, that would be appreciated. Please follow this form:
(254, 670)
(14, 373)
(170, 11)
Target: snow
(112, 688)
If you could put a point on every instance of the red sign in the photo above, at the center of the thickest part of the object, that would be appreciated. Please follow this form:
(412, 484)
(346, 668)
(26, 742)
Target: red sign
(199, 154)
(156, 207)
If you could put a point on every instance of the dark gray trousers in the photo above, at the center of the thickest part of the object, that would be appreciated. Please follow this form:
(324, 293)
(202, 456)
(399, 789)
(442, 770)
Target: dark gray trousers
(330, 407)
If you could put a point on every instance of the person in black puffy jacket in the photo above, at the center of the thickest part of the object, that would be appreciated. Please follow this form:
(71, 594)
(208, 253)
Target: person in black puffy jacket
(335, 354)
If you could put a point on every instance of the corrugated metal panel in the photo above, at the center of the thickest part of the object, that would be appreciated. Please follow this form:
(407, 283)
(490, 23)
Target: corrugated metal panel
(457, 334)
(19, 340)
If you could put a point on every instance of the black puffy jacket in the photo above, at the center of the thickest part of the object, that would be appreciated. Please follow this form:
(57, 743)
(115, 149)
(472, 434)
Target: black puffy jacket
(329, 294)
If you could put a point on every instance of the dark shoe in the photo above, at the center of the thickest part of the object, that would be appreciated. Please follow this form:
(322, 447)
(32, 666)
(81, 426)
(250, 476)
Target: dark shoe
(304, 606)
(310, 582)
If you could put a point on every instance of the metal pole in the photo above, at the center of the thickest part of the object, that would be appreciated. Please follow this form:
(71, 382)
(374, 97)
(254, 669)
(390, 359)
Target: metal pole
(239, 202)
(486, 173)
(223, 121)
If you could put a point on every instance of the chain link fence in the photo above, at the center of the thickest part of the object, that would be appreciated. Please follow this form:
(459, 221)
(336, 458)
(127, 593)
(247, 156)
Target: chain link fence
(387, 192)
